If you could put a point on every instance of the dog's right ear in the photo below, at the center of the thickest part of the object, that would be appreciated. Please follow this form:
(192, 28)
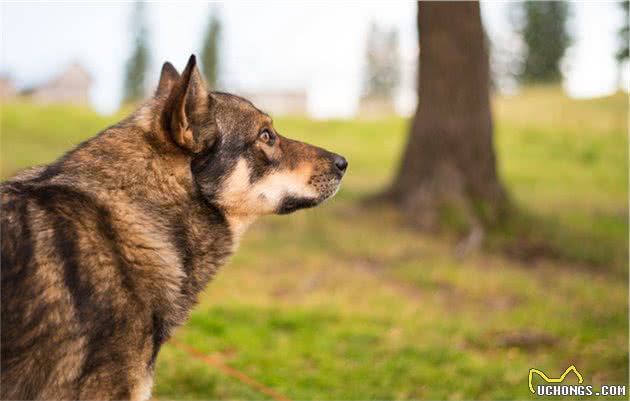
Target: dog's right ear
(187, 112)
(168, 77)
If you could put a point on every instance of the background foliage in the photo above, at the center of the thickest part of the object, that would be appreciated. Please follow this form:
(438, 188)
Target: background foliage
(545, 35)
(137, 65)
(210, 51)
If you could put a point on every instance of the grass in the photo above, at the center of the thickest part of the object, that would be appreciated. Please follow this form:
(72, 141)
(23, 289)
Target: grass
(343, 302)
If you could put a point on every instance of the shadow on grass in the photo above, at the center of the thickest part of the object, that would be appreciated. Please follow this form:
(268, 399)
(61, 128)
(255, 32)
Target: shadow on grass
(595, 243)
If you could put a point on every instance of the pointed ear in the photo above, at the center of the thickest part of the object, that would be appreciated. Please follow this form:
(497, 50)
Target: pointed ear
(187, 114)
(168, 77)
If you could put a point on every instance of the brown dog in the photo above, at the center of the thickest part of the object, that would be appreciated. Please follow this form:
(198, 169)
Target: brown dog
(105, 250)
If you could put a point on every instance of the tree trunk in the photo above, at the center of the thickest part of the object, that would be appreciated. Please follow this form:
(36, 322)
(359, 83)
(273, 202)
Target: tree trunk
(448, 170)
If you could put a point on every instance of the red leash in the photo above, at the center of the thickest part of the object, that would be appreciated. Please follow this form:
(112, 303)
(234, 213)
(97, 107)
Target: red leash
(229, 370)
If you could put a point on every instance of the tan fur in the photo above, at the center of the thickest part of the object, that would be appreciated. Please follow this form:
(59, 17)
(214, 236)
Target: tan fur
(142, 390)
(246, 200)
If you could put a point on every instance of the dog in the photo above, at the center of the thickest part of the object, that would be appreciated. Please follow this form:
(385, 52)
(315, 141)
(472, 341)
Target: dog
(105, 250)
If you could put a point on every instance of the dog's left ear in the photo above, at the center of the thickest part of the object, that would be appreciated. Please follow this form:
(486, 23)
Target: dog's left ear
(187, 114)
(168, 78)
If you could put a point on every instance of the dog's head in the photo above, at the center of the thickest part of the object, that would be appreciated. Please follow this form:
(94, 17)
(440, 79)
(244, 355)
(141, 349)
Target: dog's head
(239, 161)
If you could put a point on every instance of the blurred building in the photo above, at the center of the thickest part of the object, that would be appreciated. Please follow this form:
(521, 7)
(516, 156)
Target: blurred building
(279, 103)
(376, 107)
(71, 86)
(7, 90)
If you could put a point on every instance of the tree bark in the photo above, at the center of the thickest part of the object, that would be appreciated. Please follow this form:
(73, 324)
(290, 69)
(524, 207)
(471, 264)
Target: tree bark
(449, 164)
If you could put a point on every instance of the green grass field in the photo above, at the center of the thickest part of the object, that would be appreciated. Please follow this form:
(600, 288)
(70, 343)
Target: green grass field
(346, 302)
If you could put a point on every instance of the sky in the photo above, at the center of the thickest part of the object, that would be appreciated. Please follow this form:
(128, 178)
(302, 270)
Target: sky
(317, 47)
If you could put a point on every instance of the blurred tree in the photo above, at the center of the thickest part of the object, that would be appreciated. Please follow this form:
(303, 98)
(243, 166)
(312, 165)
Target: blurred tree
(623, 53)
(545, 36)
(210, 51)
(138, 63)
(448, 169)
(382, 63)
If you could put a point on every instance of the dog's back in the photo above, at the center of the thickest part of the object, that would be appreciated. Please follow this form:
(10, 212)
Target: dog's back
(64, 296)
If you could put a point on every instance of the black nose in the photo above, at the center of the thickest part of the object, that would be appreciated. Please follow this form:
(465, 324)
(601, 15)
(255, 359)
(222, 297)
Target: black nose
(341, 163)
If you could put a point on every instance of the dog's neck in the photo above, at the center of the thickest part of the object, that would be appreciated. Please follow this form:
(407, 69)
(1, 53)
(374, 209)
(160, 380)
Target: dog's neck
(237, 222)
(157, 185)
(238, 226)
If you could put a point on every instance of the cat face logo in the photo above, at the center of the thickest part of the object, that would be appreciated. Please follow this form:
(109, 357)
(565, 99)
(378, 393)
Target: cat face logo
(552, 380)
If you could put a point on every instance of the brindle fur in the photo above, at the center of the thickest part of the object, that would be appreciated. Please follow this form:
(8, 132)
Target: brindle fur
(105, 250)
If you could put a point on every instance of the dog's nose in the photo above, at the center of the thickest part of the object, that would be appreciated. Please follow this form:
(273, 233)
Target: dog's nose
(341, 163)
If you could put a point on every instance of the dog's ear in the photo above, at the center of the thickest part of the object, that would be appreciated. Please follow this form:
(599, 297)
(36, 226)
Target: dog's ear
(187, 114)
(168, 77)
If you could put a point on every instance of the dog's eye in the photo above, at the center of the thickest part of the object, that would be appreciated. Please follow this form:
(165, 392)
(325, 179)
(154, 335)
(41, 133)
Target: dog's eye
(266, 137)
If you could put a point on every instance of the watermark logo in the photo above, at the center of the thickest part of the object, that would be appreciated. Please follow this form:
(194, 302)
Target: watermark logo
(558, 380)
(555, 388)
